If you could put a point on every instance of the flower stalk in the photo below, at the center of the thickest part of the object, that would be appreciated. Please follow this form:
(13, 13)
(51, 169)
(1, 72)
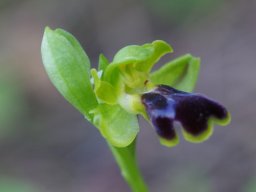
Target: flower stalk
(126, 160)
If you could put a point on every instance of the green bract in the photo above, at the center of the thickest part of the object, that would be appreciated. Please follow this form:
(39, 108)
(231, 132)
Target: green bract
(110, 97)
(68, 67)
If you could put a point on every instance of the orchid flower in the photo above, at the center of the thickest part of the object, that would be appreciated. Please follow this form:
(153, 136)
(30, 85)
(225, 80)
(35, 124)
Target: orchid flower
(112, 96)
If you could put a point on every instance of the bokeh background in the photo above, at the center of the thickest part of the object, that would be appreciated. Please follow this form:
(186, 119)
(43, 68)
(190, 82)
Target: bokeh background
(47, 146)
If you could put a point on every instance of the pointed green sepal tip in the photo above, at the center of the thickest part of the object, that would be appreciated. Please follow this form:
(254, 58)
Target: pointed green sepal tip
(103, 62)
(67, 66)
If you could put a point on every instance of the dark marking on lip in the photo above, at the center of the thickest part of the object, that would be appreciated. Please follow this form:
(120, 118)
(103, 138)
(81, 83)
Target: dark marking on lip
(165, 105)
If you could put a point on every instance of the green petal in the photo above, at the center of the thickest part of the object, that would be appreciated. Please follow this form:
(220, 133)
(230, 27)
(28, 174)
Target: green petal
(104, 91)
(180, 73)
(68, 68)
(116, 125)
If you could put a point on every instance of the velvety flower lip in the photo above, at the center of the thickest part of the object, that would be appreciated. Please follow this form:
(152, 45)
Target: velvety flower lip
(195, 112)
(161, 112)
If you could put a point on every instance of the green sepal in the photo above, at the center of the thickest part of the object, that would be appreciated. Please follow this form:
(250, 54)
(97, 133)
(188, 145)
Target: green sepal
(181, 73)
(115, 124)
(103, 62)
(143, 57)
(68, 67)
(134, 58)
(104, 91)
(158, 48)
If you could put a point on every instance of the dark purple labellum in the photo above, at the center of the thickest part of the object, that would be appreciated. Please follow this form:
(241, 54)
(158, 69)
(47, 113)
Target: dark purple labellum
(194, 112)
(161, 112)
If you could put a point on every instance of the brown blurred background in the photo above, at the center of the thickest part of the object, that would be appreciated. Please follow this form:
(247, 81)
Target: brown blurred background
(47, 146)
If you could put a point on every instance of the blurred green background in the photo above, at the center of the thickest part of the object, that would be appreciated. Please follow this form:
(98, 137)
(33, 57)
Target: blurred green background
(47, 146)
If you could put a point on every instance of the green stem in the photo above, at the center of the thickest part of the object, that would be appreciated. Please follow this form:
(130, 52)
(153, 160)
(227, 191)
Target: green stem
(126, 159)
